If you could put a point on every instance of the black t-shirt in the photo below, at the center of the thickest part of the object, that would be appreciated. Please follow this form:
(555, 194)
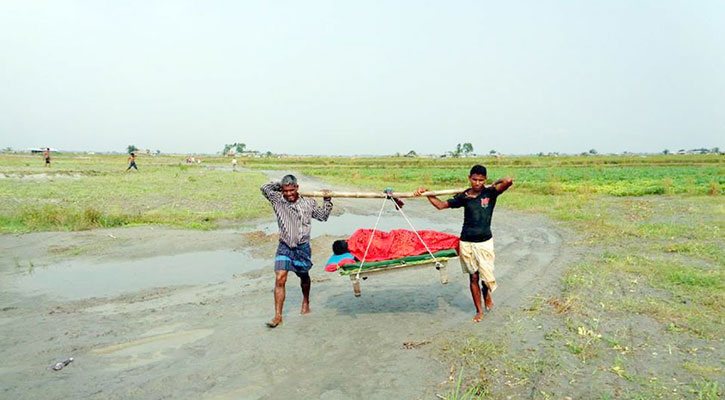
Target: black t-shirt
(477, 214)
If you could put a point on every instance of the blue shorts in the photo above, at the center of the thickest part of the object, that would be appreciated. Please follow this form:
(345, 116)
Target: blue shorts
(297, 260)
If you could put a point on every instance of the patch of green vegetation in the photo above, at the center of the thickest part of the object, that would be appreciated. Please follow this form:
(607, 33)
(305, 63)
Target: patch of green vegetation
(601, 176)
(705, 389)
(472, 393)
(80, 193)
(698, 249)
(701, 369)
(662, 264)
(475, 355)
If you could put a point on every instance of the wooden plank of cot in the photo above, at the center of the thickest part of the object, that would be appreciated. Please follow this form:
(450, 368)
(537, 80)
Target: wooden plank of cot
(394, 268)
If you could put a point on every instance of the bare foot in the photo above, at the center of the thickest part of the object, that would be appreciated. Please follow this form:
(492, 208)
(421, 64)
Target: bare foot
(274, 322)
(488, 301)
(305, 309)
(478, 317)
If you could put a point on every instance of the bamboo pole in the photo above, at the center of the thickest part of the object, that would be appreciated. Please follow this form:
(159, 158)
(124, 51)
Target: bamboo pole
(374, 195)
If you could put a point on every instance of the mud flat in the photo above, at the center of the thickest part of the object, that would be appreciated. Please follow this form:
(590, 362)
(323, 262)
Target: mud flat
(154, 313)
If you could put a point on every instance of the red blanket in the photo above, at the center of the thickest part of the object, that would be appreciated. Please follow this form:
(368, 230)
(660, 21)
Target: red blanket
(398, 243)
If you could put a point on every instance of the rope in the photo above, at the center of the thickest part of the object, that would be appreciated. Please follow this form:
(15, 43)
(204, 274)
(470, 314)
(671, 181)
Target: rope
(435, 260)
(357, 276)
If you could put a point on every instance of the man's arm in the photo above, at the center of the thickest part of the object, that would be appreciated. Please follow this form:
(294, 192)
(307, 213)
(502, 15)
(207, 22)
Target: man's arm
(502, 184)
(272, 191)
(321, 214)
(437, 203)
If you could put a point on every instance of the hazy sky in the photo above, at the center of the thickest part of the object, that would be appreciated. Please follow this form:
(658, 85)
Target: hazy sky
(367, 77)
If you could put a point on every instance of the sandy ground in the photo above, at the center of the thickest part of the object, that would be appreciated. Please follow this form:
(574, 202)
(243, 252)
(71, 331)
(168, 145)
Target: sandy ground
(156, 313)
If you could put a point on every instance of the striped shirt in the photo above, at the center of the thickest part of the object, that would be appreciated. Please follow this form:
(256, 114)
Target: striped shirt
(293, 219)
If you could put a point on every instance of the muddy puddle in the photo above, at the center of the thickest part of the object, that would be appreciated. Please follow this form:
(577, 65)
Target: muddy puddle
(80, 279)
(346, 224)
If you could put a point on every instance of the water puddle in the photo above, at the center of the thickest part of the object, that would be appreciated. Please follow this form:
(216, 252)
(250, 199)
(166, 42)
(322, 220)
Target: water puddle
(81, 279)
(346, 224)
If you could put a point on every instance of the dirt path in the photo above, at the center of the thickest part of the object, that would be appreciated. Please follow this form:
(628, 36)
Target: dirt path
(155, 313)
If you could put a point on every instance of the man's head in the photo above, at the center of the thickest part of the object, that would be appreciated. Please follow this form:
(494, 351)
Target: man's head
(477, 177)
(289, 188)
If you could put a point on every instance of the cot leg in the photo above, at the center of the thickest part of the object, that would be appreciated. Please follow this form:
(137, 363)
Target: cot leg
(444, 272)
(356, 287)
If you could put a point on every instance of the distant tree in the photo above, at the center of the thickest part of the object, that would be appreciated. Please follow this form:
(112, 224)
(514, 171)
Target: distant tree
(493, 152)
(158, 152)
(238, 148)
(412, 153)
(131, 149)
(592, 151)
(665, 152)
(715, 150)
(461, 148)
(540, 154)
(8, 150)
(268, 154)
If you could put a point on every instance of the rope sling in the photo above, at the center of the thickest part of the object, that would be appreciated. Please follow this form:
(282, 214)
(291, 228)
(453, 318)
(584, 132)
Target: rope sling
(389, 196)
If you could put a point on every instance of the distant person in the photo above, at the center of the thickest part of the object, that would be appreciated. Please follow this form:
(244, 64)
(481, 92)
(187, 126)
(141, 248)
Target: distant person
(46, 155)
(294, 214)
(234, 164)
(132, 162)
(476, 246)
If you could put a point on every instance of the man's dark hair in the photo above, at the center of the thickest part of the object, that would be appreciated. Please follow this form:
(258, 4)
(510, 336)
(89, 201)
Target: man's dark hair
(339, 247)
(478, 169)
(289, 180)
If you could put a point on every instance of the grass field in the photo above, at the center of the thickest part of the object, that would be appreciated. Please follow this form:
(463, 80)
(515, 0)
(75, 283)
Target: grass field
(86, 192)
(641, 315)
(617, 176)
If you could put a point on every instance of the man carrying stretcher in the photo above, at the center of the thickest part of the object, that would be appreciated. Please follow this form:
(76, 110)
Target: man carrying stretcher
(294, 214)
(476, 245)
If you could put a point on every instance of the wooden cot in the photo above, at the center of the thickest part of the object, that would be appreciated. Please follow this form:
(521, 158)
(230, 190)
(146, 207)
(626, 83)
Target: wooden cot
(389, 266)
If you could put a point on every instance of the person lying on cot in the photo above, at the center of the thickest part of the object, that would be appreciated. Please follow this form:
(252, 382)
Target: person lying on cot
(340, 256)
(391, 245)
(476, 246)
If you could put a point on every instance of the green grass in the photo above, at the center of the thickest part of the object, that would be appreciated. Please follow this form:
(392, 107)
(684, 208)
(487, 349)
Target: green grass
(616, 176)
(94, 191)
(80, 193)
(473, 354)
(616, 181)
(660, 274)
